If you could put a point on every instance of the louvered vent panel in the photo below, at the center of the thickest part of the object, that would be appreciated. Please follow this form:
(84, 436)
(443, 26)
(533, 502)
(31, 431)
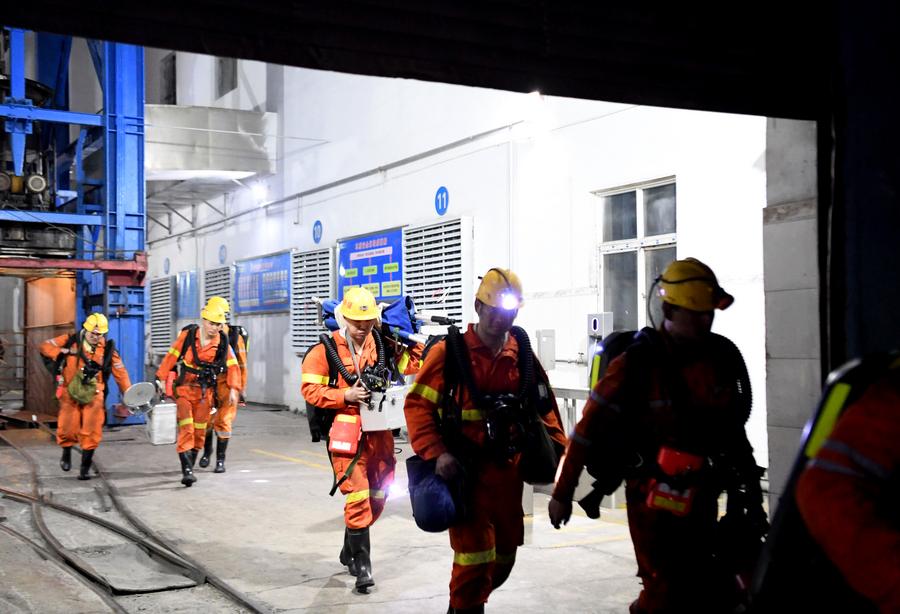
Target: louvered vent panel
(217, 282)
(312, 274)
(162, 300)
(437, 266)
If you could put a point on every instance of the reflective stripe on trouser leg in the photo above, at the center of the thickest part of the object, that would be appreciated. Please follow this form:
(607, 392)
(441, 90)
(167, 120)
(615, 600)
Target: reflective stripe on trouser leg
(223, 420)
(366, 488)
(379, 469)
(185, 416)
(484, 547)
(201, 418)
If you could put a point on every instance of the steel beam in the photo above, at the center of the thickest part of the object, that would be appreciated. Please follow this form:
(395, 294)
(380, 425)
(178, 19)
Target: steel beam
(136, 266)
(25, 112)
(43, 217)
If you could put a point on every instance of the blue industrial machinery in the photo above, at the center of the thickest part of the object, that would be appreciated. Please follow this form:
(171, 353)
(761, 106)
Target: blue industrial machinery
(104, 210)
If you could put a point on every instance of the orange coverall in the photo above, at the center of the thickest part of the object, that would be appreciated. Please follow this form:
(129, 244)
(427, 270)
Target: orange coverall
(224, 417)
(83, 424)
(366, 488)
(193, 403)
(847, 494)
(674, 554)
(484, 546)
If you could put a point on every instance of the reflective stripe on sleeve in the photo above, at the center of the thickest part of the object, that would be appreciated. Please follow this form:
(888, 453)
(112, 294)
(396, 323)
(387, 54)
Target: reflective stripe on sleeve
(863, 462)
(600, 400)
(426, 392)
(468, 415)
(359, 495)
(231, 362)
(474, 558)
(312, 378)
(403, 362)
(174, 352)
(826, 465)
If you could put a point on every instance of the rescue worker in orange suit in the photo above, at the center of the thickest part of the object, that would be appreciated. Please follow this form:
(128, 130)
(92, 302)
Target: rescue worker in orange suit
(199, 365)
(223, 419)
(366, 486)
(81, 421)
(848, 493)
(678, 406)
(484, 544)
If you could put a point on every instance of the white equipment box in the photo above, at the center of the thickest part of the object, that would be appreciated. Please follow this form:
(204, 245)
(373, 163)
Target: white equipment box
(162, 424)
(384, 411)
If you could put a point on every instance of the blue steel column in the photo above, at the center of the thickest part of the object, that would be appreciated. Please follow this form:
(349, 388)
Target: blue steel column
(125, 215)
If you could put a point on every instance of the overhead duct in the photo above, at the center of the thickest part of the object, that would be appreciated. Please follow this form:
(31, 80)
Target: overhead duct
(193, 154)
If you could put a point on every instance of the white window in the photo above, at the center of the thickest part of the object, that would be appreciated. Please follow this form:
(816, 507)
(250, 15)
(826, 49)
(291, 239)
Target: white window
(638, 240)
(226, 76)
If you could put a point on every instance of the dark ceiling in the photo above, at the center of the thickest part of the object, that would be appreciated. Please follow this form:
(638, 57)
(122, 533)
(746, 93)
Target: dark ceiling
(762, 58)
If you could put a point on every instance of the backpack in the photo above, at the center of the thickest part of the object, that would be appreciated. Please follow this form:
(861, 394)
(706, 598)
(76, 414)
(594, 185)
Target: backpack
(54, 365)
(793, 573)
(320, 419)
(234, 333)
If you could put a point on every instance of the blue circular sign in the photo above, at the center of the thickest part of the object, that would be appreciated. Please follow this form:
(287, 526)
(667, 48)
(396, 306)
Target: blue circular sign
(317, 231)
(223, 252)
(441, 200)
(166, 266)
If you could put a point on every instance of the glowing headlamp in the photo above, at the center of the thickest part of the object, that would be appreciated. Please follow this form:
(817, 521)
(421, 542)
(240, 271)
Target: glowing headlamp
(509, 301)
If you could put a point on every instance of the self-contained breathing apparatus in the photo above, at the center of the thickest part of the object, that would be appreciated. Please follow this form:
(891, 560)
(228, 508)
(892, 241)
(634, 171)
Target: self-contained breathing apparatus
(85, 388)
(207, 372)
(376, 378)
(512, 420)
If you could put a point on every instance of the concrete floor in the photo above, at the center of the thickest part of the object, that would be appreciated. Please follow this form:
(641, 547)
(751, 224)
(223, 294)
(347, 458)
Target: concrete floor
(269, 527)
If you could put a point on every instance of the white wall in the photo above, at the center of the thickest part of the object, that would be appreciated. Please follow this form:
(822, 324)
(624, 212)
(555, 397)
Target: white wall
(528, 186)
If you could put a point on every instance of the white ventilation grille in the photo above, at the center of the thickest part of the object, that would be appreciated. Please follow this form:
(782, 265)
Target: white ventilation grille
(312, 274)
(437, 267)
(217, 282)
(162, 299)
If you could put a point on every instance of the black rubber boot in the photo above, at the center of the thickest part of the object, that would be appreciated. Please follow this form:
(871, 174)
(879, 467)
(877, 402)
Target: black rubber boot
(360, 550)
(479, 609)
(87, 457)
(221, 446)
(193, 454)
(346, 556)
(65, 462)
(207, 449)
(187, 473)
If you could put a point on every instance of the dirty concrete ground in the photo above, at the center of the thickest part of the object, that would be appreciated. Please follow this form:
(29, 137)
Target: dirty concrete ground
(268, 527)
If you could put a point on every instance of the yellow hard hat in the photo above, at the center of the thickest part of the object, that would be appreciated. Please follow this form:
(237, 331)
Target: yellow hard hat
(691, 284)
(213, 315)
(500, 288)
(358, 304)
(98, 321)
(218, 303)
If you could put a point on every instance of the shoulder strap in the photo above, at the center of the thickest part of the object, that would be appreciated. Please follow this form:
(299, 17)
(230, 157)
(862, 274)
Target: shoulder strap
(106, 367)
(189, 341)
(222, 350)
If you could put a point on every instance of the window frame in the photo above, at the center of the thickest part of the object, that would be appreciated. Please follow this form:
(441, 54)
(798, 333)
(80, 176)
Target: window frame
(640, 244)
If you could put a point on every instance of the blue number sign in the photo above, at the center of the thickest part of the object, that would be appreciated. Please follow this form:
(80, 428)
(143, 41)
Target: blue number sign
(441, 200)
(317, 231)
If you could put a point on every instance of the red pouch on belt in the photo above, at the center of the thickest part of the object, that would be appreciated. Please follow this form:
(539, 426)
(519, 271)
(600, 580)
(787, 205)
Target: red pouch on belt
(676, 464)
(344, 435)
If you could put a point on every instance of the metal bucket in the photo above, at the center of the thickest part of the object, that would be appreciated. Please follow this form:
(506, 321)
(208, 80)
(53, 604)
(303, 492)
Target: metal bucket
(140, 398)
